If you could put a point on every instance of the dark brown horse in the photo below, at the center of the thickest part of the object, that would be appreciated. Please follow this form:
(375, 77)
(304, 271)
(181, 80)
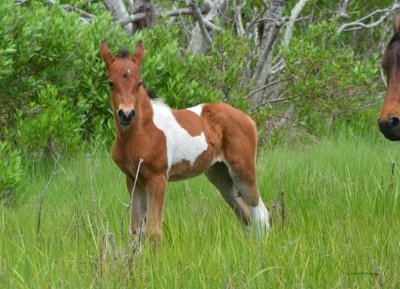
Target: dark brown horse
(389, 119)
(215, 139)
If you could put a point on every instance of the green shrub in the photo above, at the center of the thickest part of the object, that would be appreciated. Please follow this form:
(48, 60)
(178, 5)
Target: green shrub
(47, 125)
(10, 170)
(326, 80)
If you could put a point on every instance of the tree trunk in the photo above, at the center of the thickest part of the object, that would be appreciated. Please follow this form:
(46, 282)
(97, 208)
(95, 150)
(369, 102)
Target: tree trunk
(269, 32)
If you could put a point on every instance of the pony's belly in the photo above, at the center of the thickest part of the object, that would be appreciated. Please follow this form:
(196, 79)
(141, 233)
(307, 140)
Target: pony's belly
(184, 170)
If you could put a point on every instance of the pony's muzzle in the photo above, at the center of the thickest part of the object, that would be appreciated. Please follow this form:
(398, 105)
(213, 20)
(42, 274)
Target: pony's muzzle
(125, 117)
(390, 127)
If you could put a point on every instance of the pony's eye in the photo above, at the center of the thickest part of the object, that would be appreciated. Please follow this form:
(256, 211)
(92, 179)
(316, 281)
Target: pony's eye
(111, 83)
(139, 84)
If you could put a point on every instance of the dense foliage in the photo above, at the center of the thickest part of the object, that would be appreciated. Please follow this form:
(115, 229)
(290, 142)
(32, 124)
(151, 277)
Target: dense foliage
(325, 80)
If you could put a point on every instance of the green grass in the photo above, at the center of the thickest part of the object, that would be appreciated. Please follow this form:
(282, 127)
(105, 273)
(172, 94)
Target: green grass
(341, 229)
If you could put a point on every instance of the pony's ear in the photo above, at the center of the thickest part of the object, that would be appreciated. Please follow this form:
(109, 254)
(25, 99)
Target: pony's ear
(106, 54)
(396, 23)
(138, 54)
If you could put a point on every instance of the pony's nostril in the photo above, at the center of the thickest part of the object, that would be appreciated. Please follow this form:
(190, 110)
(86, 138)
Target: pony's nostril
(394, 121)
(120, 114)
(132, 114)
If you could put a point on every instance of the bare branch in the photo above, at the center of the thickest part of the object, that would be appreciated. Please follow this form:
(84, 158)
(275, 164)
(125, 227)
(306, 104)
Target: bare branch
(118, 11)
(141, 16)
(200, 20)
(249, 26)
(293, 16)
(238, 16)
(268, 85)
(342, 11)
(182, 21)
(89, 17)
(271, 127)
(360, 24)
(271, 101)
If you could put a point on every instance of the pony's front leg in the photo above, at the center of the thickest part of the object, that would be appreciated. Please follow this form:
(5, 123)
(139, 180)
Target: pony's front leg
(155, 188)
(138, 203)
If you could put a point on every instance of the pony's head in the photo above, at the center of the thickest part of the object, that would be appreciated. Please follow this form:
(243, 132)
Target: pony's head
(389, 119)
(125, 82)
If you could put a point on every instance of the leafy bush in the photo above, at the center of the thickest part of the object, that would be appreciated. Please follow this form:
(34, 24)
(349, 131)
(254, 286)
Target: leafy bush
(49, 124)
(324, 79)
(10, 170)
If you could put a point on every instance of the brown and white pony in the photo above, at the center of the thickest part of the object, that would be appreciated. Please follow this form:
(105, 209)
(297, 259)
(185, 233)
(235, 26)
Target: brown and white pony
(215, 139)
(389, 119)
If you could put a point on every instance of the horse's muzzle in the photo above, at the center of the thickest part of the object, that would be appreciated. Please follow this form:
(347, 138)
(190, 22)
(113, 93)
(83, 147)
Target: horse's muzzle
(125, 118)
(390, 128)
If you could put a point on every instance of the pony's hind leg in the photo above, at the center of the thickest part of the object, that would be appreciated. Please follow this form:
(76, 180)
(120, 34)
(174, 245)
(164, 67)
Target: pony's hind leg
(219, 176)
(244, 179)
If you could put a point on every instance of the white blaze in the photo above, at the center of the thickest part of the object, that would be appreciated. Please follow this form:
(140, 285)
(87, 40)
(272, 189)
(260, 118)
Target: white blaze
(180, 144)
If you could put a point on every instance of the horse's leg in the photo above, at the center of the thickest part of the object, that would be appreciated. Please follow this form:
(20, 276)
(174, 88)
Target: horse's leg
(243, 173)
(219, 176)
(138, 206)
(155, 188)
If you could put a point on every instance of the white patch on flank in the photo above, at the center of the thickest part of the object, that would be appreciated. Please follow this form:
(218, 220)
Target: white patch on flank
(259, 215)
(180, 144)
(197, 109)
(129, 71)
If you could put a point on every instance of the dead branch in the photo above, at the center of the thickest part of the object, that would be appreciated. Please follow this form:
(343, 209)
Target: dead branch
(342, 11)
(252, 23)
(118, 11)
(292, 19)
(182, 21)
(85, 16)
(272, 101)
(360, 23)
(238, 16)
(268, 85)
(272, 126)
(141, 16)
(200, 20)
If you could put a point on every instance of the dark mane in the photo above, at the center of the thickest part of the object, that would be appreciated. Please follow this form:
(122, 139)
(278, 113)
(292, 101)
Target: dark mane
(151, 94)
(123, 53)
(395, 38)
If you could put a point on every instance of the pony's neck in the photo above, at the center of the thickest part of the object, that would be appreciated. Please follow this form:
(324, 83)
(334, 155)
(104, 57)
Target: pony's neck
(144, 114)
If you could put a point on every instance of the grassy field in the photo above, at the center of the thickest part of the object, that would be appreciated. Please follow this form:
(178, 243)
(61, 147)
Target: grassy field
(341, 227)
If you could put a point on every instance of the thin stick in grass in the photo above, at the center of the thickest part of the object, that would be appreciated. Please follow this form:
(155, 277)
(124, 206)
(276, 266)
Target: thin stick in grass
(91, 230)
(53, 173)
(92, 191)
(131, 201)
